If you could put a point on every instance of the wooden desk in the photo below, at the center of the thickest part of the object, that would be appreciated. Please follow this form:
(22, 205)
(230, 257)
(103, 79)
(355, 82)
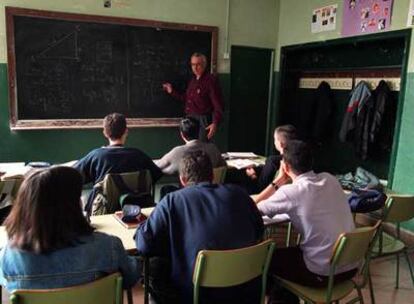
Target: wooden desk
(109, 225)
(103, 223)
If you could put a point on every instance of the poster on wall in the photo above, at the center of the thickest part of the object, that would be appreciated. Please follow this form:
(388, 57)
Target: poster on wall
(324, 19)
(410, 19)
(366, 16)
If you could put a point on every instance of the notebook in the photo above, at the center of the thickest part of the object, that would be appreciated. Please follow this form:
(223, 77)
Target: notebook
(140, 218)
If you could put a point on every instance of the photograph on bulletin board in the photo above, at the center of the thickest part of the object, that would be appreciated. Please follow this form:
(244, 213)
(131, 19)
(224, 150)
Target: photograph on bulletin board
(410, 20)
(324, 19)
(366, 16)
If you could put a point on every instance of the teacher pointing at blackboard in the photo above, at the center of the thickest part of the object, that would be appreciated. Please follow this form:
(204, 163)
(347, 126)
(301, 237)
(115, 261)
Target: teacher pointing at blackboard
(203, 99)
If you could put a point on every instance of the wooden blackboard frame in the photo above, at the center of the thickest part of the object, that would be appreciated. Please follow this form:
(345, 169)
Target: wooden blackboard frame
(19, 124)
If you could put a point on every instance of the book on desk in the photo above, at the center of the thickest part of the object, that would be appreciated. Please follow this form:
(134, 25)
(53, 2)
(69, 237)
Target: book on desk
(130, 225)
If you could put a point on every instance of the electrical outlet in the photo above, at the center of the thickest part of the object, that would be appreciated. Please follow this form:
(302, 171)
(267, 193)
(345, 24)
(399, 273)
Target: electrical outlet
(226, 55)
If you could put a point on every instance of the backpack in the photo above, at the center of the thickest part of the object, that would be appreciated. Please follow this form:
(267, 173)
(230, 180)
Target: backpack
(366, 200)
(115, 190)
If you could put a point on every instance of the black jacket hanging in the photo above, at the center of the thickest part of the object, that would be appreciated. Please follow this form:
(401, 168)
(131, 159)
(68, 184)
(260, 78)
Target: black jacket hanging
(383, 118)
(323, 109)
(315, 114)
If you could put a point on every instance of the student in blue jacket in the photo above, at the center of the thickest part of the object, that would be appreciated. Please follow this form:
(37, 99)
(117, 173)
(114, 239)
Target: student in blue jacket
(51, 245)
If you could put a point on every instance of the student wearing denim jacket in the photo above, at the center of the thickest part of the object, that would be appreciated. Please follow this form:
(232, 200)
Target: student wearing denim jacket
(51, 244)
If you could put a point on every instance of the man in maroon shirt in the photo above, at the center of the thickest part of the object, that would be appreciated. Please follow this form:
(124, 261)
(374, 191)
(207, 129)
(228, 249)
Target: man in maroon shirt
(203, 99)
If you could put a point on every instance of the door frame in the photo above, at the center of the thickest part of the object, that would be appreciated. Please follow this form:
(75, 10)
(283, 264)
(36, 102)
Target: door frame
(268, 141)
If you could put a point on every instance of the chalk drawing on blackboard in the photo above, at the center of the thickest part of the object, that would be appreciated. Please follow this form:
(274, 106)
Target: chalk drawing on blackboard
(70, 70)
(104, 51)
(65, 47)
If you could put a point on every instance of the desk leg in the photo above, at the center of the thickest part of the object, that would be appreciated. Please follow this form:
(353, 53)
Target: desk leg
(130, 300)
(146, 280)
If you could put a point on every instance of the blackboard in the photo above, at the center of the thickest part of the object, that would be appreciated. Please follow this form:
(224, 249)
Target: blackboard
(70, 70)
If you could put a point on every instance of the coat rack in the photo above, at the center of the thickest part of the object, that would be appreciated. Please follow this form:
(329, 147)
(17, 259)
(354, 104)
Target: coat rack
(346, 80)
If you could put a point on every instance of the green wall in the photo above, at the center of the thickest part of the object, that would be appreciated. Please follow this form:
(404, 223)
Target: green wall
(250, 23)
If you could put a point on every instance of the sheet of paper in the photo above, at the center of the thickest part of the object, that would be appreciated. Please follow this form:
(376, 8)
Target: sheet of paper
(241, 155)
(69, 163)
(410, 19)
(13, 170)
(278, 218)
(241, 163)
(324, 19)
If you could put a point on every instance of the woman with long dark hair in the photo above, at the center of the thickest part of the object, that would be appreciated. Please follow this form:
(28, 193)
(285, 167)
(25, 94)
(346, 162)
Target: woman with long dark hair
(50, 242)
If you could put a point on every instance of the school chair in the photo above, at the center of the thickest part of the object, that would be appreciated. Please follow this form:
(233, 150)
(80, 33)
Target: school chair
(8, 192)
(219, 174)
(107, 290)
(117, 189)
(226, 268)
(351, 247)
(398, 209)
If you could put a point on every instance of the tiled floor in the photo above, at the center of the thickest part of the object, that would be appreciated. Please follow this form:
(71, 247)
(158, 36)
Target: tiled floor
(383, 275)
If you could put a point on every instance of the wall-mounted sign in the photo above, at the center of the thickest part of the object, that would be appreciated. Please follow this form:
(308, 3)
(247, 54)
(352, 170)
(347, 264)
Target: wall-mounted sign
(410, 19)
(366, 16)
(324, 19)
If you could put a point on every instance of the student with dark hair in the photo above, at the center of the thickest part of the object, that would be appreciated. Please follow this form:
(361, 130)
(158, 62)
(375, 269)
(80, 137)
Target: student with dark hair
(115, 157)
(318, 210)
(262, 177)
(51, 244)
(202, 215)
(189, 132)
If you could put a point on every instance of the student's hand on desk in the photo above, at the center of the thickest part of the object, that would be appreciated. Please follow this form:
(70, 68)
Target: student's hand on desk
(211, 128)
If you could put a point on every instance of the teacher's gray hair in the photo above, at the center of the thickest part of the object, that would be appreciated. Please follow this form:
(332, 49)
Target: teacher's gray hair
(200, 55)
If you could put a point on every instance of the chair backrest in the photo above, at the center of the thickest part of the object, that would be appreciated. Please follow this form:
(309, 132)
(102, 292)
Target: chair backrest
(8, 191)
(116, 184)
(351, 248)
(399, 208)
(225, 268)
(219, 174)
(107, 290)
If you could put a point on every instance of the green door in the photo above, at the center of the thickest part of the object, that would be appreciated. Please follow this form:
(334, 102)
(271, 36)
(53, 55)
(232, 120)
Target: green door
(251, 70)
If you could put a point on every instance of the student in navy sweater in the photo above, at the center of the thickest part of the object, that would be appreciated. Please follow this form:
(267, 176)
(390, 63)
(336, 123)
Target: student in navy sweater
(200, 216)
(115, 157)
